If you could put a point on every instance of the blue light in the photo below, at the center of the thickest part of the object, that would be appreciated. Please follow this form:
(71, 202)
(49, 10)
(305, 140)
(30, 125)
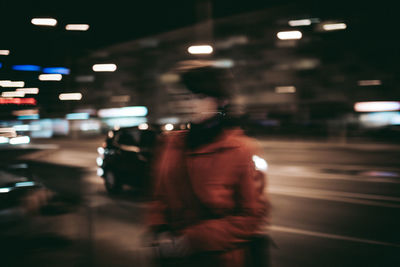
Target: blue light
(77, 116)
(56, 70)
(1, 65)
(26, 67)
(28, 117)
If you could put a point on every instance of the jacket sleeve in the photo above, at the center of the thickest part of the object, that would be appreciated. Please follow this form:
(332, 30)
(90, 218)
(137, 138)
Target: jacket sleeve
(230, 231)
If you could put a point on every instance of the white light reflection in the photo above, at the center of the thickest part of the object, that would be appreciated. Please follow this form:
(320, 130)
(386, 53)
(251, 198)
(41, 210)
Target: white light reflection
(4, 52)
(334, 26)
(143, 126)
(44, 22)
(104, 67)
(289, 35)
(20, 140)
(300, 22)
(12, 94)
(70, 96)
(77, 27)
(50, 77)
(8, 83)
(200, 49)
(32, 91)
(169, 127)
(377, 106)
(260, 163)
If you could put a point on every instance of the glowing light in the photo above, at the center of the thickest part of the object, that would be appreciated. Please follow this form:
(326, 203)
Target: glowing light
(104, 67)
(29, 117)
(25, 112)
(8, 83)
(377, 106)
(334, 26)
(300, 22)
(200, 49)
(3, 140)
(77, 27)
(4, 52)
(77, 116)
(143, 126)
(285, 89)
(260, 163)
(5, 189)
(26, 67)
(50, 77)
(56, 70)
(32, 91)
(169, 127)
(18, 101)
(99, 161)
(223, 63)
(379, 119)
(20, 140)
(70, 96)
(44, 22)
(100, 150)
(123, 112)
(12, 94)
(369, 82)
(21, 128)
(24, 184)
(289, 35)
(100, 172)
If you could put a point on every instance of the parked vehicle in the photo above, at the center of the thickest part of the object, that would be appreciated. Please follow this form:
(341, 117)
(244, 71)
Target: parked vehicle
(126, 157)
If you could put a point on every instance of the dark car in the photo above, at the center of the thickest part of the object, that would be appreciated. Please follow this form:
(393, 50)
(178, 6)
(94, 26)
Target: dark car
(126, 158)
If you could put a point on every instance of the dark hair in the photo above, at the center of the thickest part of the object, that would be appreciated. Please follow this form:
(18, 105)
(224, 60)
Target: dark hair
(210, 81)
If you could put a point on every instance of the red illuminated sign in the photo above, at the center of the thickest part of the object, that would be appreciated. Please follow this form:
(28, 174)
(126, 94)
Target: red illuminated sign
(17, 101)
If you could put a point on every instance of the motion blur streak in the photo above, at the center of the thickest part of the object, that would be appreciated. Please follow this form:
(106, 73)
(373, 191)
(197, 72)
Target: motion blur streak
(12, 94)
(32, 91)
(4, 52)
(123, 112)
(26, 67)
(369, 82)
(20, 140)
(334, 26)
(285, 89)
(8, 83)
(18, 101)
(50, 77)
(289, 35)
(44, 21)
(300, 22)
(376, 106)
(77, 27)
(104, 67)
(200, 49)
(70, 96)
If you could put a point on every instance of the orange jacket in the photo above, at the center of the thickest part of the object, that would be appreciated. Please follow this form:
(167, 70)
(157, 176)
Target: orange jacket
(210, 194)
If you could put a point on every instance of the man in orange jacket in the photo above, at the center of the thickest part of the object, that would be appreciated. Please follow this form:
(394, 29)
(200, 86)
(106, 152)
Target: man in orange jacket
(209, 198)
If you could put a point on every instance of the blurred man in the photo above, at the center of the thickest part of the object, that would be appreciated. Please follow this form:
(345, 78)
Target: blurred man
(209, 200)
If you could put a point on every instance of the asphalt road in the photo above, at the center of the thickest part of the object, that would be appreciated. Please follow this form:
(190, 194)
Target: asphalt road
(333, 205)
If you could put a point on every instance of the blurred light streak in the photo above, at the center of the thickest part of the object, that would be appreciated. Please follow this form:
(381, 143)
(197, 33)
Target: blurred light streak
(289, 35)
(12, 94)
(369, 82)
(18, 101)
(200, 49)
(25, 184)
(21, 128)
(143, 126)
(77, 116)
(100, 172)
(121, 98)
(44, 21)
(26, 67)
(25, 112)
(4, 52)
(169, 127)
(104, 67)
(32, 91)
(334, 26)
(29, 117)
(56, 70)
(285, 89)
(223, 63)
(300, 22)
(377, 106)
(20, 140)
(379, 119)
(137, 111)
(5, 189)
(50, 77)
(8, 83)
(260, 163)
(4, 140)
(77, 27)
(70, 96)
